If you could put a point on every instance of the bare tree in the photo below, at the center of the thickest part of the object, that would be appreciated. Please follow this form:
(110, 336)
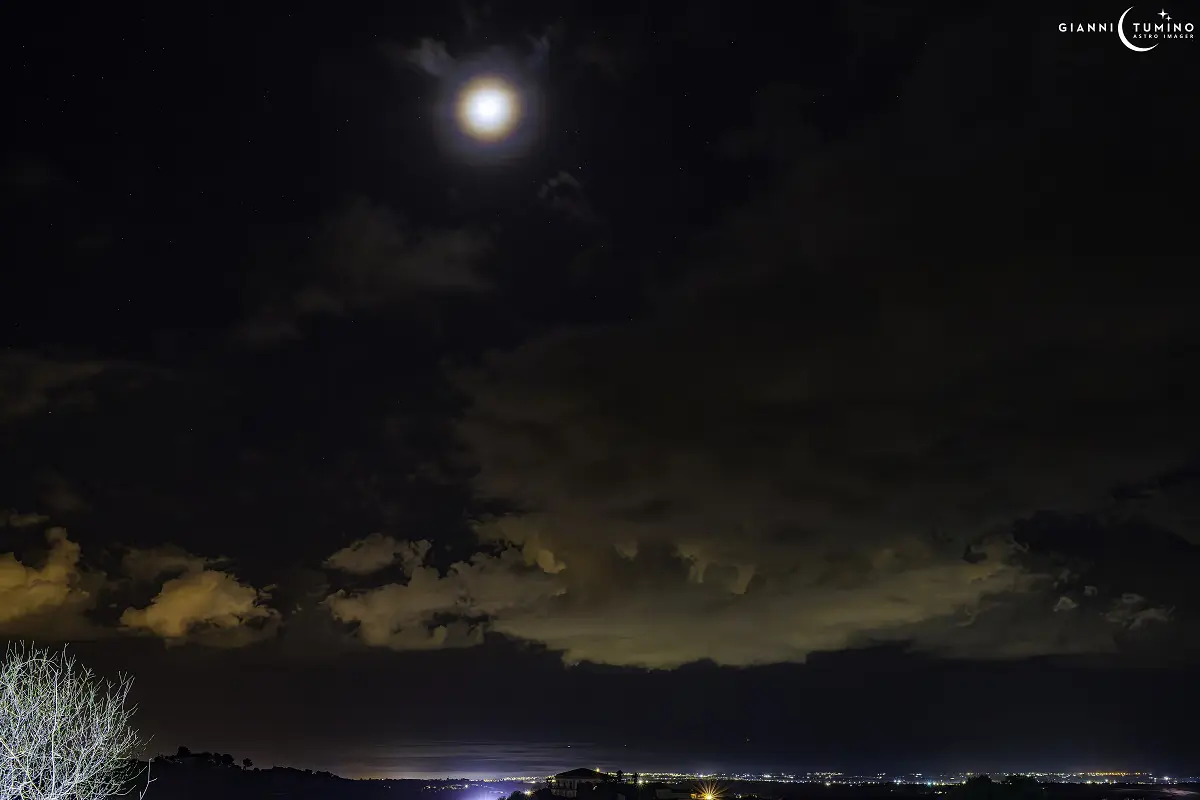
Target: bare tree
(64, 732)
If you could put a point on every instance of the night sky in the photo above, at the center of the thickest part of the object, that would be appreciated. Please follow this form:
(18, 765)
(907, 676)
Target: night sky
(807, 387)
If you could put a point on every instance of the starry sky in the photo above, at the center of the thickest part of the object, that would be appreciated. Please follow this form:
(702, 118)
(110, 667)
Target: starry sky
(781, 392)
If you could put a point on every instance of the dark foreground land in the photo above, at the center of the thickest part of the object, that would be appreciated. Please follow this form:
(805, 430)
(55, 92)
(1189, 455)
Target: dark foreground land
(183, 781)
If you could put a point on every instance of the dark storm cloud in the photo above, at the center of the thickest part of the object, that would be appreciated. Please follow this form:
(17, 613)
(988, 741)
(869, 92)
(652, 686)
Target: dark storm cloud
(822, 438)
(366, 258)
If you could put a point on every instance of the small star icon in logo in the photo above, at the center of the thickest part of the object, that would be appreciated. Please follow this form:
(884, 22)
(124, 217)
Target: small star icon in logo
(1164, 14)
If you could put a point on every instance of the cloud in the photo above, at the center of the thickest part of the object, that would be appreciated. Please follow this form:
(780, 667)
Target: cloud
(59, 495)
(201, 605)
(433, 610)
(526, 532)
(14, 519)
(810, 479)
(147, 564)
(1171, 501)
(1065, 604)
(540, 54)
(823, 434)
(49, 599)
(401, 616)
(666, 619)
(428, 55)
(565, 195)
(31, 384)
(431, 56)
(377, 551)
(205, 606)
(1132, 611)
(366, 258)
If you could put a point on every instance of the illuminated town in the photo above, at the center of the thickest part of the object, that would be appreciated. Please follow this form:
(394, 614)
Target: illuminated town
(702, 786)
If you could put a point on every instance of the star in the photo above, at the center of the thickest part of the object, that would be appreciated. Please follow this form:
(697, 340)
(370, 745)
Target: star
(1163, 13)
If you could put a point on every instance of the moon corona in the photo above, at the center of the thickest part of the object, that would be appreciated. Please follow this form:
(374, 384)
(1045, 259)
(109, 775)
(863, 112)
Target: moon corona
(488, 109)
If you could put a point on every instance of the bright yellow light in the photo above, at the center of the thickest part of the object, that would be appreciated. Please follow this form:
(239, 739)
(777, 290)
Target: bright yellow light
(488, 108)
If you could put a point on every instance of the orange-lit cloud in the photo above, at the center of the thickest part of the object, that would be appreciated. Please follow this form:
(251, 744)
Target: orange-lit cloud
(49, 599)
(206, 606)
(433, 610)
(375, 552)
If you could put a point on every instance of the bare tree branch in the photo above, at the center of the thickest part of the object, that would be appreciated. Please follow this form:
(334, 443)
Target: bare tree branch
(65, 733)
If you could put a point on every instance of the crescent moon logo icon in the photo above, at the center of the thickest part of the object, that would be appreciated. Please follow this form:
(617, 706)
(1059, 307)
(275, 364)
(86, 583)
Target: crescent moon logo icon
(1125, 40)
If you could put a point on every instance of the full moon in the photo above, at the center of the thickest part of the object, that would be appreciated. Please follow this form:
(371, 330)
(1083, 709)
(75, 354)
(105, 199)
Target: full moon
(488, 109)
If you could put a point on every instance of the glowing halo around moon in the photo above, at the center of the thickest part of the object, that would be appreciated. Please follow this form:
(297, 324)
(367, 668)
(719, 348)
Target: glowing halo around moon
(488, 109)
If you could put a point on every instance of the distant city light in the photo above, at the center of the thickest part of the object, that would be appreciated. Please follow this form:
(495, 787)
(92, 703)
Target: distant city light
(716, 786)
